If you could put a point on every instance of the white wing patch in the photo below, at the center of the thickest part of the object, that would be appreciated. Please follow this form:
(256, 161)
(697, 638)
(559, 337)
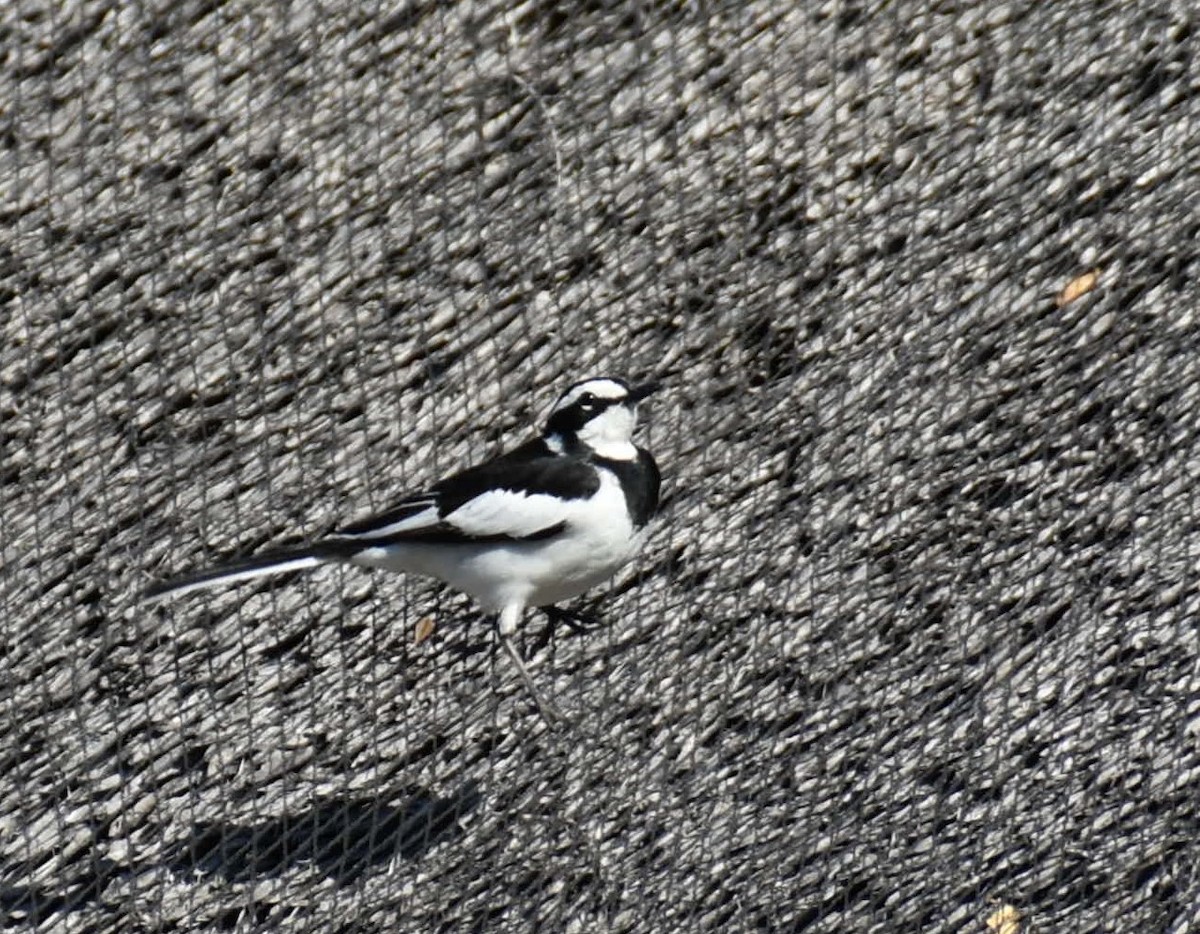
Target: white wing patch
(418, 520)
(509, 513)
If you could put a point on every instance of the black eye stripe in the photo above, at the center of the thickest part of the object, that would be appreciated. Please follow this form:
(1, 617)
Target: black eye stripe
(573, 416)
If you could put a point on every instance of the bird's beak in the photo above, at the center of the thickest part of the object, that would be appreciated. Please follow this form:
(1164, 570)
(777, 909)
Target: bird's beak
(638, 393)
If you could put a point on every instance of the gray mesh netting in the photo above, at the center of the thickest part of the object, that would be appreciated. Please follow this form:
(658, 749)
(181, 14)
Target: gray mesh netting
(913, 644)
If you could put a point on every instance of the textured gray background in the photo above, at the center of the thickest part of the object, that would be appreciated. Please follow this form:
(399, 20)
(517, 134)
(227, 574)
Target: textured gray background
(916, 634)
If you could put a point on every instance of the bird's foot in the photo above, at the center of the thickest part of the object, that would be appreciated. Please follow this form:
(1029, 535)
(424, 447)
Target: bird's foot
(578, 622)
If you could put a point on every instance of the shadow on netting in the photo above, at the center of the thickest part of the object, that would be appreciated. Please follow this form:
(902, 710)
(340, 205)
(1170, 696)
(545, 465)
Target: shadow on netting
(344, 839)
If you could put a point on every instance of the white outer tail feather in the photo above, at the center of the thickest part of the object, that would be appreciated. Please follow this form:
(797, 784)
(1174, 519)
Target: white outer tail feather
(241, 571)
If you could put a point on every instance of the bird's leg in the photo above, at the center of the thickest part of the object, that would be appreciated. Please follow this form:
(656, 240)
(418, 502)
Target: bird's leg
(506, 624)
(578, 622)
(550, 713)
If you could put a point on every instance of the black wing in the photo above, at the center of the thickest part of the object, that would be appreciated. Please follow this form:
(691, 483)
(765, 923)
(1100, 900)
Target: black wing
(518, 496)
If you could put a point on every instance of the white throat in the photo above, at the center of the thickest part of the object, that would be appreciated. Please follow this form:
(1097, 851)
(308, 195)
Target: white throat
(609, 434)
(616, 450)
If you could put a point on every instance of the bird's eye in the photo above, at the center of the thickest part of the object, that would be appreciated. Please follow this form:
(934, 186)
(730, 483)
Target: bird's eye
(587, 400)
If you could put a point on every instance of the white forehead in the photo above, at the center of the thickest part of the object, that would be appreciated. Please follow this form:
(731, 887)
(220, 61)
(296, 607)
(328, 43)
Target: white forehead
(600, 388)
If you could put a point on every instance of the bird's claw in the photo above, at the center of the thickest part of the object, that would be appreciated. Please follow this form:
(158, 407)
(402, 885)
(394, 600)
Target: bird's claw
(577, 622)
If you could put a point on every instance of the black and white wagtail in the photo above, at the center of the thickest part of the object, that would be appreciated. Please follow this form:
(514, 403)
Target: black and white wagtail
(536, 526)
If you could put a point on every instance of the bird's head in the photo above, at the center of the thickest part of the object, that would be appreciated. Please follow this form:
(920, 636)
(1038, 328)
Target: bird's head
(599, 413)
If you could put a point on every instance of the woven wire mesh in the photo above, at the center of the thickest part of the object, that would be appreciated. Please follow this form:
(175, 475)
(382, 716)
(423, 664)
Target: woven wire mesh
(912, 646)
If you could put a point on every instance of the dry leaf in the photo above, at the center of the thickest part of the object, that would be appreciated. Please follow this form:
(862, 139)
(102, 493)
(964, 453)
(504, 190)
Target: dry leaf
(1005, 920)
(1078, 287)
(423, 630)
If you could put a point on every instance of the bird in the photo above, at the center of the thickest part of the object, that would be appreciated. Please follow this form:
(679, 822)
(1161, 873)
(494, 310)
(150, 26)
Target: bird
(533, 527)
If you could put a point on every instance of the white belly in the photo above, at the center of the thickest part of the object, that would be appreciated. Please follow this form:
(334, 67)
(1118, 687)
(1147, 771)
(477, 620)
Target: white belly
(597, 540)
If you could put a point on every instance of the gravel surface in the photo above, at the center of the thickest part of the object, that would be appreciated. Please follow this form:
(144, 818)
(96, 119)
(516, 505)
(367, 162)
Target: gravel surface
(913, 646)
